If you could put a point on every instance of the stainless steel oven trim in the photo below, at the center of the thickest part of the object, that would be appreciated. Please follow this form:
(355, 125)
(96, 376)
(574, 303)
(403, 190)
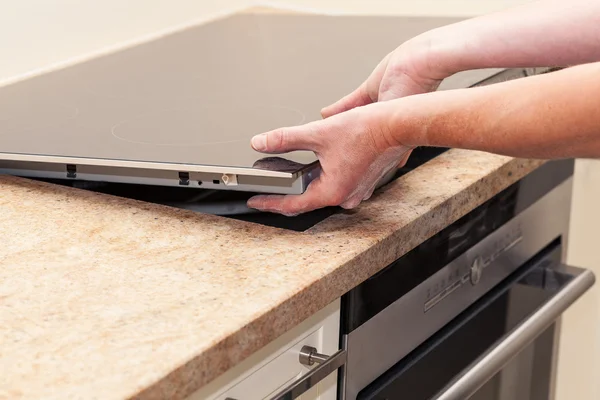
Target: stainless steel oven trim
(389, 336)
(483, 369)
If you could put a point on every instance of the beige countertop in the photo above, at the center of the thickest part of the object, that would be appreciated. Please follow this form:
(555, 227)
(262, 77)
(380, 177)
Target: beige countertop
(104, 297)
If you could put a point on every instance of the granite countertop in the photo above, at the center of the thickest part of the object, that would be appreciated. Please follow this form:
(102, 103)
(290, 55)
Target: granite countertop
(105, 297)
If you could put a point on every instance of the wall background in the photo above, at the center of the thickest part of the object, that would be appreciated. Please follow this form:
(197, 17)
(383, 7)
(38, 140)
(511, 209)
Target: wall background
(39, 34)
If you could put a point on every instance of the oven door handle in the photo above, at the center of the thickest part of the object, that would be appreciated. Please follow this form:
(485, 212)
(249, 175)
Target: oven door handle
(490, 363)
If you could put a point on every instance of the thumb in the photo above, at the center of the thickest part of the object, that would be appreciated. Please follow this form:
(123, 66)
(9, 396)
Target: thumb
(284, 140)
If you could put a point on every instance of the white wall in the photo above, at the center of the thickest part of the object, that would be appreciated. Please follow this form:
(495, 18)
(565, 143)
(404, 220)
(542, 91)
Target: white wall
(39, 33)
(579, 353)
(399, 7)
(36, 34)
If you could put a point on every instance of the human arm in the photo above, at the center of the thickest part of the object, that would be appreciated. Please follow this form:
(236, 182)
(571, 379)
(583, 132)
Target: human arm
(537, 34)
(549, 116)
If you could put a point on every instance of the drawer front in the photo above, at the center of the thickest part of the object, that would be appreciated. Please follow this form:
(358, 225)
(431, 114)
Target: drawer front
(277, 365)
(275, 374)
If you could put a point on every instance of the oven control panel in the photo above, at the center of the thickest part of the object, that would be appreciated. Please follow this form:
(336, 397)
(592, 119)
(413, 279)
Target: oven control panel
(469, 267)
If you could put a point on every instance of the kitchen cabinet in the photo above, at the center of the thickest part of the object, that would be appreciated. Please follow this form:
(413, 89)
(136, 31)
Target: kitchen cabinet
(277, 365)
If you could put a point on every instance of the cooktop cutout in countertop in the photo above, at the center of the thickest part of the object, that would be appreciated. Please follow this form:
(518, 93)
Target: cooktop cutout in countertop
(199, 95)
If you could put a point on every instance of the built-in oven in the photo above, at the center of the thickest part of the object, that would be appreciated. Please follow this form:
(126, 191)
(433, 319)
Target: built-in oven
(473, 312)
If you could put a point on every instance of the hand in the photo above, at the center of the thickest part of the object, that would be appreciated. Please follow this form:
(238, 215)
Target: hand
(354, 143)
(355, 148)
(405, 71)
(412, 68)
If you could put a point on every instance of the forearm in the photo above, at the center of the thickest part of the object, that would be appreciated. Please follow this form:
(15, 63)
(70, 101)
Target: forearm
(549, 116)
(538, 34)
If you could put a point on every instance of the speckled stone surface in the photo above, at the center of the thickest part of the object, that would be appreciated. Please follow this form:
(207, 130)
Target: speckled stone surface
(103, 297)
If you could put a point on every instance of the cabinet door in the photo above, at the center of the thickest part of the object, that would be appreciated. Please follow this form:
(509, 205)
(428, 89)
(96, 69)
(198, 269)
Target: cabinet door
(277, 365)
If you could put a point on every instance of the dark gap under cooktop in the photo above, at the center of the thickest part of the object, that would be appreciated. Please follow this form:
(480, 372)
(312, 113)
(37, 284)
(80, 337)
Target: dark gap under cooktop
(227, 203)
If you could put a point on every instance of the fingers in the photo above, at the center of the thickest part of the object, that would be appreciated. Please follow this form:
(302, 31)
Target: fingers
(360, 97)
(316, 196)
(284, 140)
(361, 195)
(365, 94)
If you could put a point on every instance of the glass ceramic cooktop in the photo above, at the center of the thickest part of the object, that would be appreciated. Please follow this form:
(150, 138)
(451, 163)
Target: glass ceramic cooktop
(199, 95)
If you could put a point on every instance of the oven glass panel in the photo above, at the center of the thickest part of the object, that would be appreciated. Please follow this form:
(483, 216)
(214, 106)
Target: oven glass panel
(430, 367)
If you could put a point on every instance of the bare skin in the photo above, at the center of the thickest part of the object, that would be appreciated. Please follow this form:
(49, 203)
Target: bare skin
(372, 130)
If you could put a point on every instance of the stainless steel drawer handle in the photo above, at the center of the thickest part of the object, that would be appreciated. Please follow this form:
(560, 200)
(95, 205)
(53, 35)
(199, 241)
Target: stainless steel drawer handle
(482, 370)
(309, 356)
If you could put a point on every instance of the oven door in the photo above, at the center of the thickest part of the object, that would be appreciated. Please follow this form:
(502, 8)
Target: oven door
(500, 348)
